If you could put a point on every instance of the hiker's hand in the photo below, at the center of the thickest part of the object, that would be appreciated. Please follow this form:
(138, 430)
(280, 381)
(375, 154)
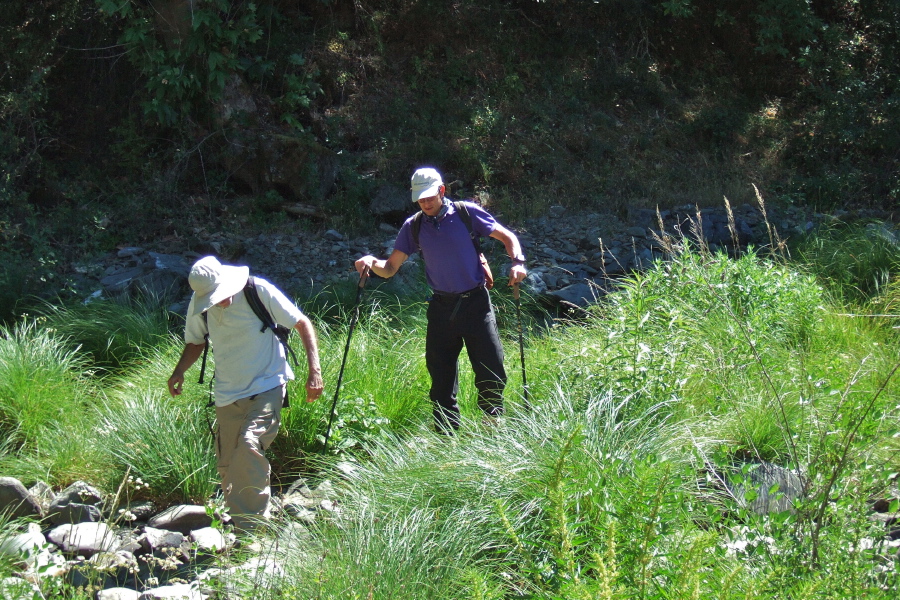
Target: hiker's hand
(314, 386)
(364, 264)
(517, 274)
(176, 381)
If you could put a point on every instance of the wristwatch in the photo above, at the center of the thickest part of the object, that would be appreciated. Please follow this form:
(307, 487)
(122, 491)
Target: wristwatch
(518, 259)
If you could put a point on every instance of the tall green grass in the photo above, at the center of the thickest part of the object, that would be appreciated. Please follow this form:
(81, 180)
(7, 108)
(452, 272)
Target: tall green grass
(605, 486)
(166, 442)
(430, 517)
(111, 333)
(855, 260)
(45, 396)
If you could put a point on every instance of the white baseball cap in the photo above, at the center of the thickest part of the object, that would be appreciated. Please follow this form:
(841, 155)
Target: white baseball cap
(426, 182)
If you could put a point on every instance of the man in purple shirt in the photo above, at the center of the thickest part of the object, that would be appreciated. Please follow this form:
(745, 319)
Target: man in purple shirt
(460, 312)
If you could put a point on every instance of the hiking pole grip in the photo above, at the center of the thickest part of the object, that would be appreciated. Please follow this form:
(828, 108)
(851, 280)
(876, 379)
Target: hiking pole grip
(363, 277)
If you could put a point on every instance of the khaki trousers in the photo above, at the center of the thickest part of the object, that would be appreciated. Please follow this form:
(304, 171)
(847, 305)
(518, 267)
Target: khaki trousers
(246, 428)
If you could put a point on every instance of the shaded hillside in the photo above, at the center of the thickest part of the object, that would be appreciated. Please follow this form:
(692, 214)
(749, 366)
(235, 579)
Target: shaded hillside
(127, 121)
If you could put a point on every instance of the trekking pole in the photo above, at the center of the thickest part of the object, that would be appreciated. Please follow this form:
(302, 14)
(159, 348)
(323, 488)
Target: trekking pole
(359, 288)
(521, 343)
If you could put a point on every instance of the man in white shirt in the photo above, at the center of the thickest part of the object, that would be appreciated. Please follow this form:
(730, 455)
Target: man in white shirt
(251, 376)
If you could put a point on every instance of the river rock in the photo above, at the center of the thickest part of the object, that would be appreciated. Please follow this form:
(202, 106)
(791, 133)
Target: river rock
(16, 501)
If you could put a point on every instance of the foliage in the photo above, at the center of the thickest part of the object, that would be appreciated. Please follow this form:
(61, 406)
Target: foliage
(42, 382)
(46, 391)
(29, 36)
(165, 442)
(777, 27)
(189, 55)
(857, 260)
(662, 325)
(111, 333)
(694, 372)
(768, 297)
(364, 409)
(606, 104)
(198, 47)
(851, 72)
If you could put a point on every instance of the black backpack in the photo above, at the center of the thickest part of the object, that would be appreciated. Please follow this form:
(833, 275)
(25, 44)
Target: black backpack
(460, 207)
(268, 323)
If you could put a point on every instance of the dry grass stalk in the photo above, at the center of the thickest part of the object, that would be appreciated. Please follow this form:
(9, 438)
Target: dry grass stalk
(696, 228)
(732, 228)
(604, 249)
(665, 241)
(776, 244)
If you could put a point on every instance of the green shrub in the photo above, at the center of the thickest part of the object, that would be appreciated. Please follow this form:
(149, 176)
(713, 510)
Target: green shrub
(694, 290)
(655, 334)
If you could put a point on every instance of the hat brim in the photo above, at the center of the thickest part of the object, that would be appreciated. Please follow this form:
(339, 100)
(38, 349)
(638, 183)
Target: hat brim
(233, 280)
(427, 192)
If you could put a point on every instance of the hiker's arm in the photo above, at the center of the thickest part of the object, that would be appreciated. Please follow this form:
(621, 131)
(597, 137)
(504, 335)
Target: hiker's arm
(189, 356)
(517, 272)
(383, 268)
(314, 383)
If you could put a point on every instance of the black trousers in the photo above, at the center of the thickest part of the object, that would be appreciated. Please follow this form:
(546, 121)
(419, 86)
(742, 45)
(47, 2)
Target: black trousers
(454, 321)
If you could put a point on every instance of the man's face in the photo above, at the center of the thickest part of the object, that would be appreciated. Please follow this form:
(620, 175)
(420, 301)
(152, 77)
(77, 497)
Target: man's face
(431, 205)
(226, 302)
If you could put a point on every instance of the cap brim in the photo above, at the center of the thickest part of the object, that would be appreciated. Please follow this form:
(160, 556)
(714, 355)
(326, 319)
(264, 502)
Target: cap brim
(233, 280)
(426, 193)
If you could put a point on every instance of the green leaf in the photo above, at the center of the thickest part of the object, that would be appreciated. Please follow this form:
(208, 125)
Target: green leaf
(214, 60)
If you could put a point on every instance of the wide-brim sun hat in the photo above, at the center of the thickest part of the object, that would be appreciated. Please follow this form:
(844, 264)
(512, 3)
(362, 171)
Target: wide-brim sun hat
(213, 282)
(426, 182)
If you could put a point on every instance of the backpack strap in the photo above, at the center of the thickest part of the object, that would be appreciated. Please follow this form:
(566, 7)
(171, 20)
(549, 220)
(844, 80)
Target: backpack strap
(416, 226)
(280, 332)
(257, 307)
(467, 219)
(203, 364)
(205, 348)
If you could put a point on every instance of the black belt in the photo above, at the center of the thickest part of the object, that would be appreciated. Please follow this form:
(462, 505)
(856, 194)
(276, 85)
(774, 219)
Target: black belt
(450, 297)
(447, 297)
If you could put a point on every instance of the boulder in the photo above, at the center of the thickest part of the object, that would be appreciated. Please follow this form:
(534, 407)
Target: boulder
(176, 591)
(84, 539)
(210, 539)
(16, 501)
(119, 593)
(154, 539)
(579, 294)
(297, 167)
(23, 545)
(767, 488)
(183, 518)
(392, 203)
(78, 503)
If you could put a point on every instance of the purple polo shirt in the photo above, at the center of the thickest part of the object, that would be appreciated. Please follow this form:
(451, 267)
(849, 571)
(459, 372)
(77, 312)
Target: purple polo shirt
(451, 263)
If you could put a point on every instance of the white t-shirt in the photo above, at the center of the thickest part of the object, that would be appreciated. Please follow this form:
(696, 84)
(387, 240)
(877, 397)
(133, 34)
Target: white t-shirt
(248, 361)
